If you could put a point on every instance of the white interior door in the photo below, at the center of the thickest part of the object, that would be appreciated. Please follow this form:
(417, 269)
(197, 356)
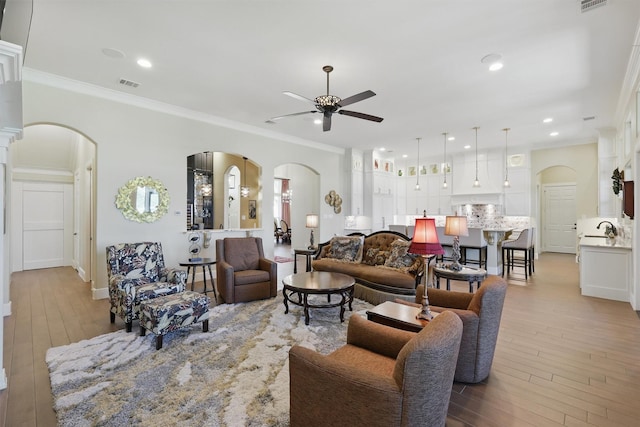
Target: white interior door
(46, 220)
(559, 218)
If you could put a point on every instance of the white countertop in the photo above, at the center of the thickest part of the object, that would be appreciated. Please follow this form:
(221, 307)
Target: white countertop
(605, 242)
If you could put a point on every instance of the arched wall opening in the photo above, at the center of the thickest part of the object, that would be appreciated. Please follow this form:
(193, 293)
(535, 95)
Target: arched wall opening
(52, 193)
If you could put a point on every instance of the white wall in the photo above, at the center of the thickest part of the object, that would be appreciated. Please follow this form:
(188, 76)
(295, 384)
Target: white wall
(133, 141)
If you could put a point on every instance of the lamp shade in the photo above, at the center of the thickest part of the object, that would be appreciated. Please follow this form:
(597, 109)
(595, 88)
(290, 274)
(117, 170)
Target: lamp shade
(456, 226)
(312, 221)
(425, 238)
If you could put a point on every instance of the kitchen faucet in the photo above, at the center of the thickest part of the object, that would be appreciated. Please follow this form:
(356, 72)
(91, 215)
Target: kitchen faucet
(610, 229)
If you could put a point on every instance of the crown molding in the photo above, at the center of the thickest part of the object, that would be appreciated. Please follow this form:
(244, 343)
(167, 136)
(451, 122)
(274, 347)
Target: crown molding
(48, 79)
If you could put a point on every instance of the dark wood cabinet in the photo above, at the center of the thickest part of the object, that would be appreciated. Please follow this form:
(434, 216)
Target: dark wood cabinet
(627, 199)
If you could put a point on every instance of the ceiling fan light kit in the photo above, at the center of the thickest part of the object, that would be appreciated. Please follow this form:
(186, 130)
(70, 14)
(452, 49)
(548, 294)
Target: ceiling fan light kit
(329, 104)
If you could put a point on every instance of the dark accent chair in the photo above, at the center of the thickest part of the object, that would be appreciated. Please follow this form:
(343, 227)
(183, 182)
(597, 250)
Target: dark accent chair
(243, 273)
(382, 377)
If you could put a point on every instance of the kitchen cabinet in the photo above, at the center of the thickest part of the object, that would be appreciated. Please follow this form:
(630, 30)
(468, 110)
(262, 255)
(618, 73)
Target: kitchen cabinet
(605, 268)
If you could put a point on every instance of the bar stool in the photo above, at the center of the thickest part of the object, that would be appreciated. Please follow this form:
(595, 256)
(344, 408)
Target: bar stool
(524, 243)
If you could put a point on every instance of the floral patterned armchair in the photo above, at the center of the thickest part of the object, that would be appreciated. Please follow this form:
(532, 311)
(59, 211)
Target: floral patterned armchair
(136, 272)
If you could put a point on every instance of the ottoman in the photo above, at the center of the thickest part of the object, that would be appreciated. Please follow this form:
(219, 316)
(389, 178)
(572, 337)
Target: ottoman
(171, 312)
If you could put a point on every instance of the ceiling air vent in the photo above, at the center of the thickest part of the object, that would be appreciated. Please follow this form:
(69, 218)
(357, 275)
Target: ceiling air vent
(587, 5)
(129, 83)
(586, 119)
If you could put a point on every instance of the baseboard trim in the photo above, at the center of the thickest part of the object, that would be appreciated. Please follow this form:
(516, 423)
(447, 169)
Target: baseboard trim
(6, 309)
(101, 293)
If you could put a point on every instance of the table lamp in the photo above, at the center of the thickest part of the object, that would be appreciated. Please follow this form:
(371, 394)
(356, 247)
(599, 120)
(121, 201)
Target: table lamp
(456, 226)
(312, 222)
(425, 242)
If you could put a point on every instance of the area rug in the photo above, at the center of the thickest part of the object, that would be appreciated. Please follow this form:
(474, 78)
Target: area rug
(282, 259)
(237, 374)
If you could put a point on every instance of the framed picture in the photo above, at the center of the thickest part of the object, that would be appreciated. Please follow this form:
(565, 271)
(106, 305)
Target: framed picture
(252, 209)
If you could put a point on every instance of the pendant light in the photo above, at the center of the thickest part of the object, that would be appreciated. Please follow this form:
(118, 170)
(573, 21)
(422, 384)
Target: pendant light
(506, 158)
(244, 190)
(476, 183)
(417, 187)
(444, 184)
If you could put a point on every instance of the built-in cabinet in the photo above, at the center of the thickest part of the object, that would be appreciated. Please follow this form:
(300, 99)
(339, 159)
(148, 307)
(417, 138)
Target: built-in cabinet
(605, 269)
(200, 191)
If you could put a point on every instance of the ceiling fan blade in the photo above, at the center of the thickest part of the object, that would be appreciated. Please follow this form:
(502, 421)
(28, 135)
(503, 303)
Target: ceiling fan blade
(272, 119)
(356, 98)
(326, 123)
(299, 97)
(361, 115)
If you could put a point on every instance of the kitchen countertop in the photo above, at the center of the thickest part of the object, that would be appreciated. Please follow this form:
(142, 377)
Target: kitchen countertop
(605, 242)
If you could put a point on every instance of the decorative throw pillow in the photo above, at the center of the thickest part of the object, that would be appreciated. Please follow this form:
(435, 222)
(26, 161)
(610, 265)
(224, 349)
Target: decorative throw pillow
(346, 248)
(369, 257)
(399, 256)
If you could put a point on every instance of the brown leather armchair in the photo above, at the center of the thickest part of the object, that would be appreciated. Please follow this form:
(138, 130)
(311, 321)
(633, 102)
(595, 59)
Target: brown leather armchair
(480, 313)
(243, 273)
(382, 377)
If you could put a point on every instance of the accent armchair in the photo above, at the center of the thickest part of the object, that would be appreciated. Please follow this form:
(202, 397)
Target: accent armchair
(480, 313)
(136, 272)
(382, 377)
(243, 273)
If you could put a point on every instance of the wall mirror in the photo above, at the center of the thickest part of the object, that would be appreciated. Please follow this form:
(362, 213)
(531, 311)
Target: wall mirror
(143, 199)
(215, 200)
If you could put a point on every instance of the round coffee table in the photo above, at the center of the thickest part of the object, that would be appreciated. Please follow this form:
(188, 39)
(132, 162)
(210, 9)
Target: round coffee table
(318, 282)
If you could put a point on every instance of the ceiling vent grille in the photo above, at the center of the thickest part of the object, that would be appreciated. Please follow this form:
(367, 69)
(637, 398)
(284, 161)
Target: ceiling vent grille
(129, 83)
(587, 5)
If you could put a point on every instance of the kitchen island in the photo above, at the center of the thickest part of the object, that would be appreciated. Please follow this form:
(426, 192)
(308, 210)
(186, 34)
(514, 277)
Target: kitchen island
(605, 267)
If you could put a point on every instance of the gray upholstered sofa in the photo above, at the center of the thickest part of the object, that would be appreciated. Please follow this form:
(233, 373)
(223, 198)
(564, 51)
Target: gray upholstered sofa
(480, 313)
(381, 266)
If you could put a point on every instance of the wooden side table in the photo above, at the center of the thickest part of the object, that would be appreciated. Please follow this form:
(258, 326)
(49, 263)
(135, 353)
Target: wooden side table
(399, 316)
(467, 274)
(308, 253)
(202, 262)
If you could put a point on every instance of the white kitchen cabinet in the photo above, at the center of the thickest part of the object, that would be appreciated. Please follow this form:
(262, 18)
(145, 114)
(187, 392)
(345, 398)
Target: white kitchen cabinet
(605, 269)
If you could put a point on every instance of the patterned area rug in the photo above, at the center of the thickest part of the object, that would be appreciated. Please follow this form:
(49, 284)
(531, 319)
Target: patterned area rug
(236, 374)
(282, 259)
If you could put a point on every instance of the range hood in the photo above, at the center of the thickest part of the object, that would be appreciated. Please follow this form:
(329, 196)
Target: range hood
(477, 199)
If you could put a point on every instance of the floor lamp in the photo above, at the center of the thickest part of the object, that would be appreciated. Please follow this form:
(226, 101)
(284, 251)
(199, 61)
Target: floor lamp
(456, 226)
(425, 242)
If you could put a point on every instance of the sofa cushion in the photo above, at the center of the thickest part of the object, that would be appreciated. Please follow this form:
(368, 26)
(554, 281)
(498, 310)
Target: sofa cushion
(346, 248)
(373, 274)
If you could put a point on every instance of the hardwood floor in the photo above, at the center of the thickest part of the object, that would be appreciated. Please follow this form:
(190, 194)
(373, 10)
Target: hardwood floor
(561, 359)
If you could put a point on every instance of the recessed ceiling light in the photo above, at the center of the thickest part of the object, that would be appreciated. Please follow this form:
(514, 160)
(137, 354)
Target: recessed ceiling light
(466, 147)
(317, 121)
(405, 156)
(554, 134)
(144, 63)
(383, 149)
(547, 120)
(451, 138)
(494, 60)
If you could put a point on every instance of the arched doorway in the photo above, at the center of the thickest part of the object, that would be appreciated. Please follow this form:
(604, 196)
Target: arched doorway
(302, 198)
(52, 199)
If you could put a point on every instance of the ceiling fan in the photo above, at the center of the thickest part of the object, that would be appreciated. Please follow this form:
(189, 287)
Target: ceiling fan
(329, 104)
